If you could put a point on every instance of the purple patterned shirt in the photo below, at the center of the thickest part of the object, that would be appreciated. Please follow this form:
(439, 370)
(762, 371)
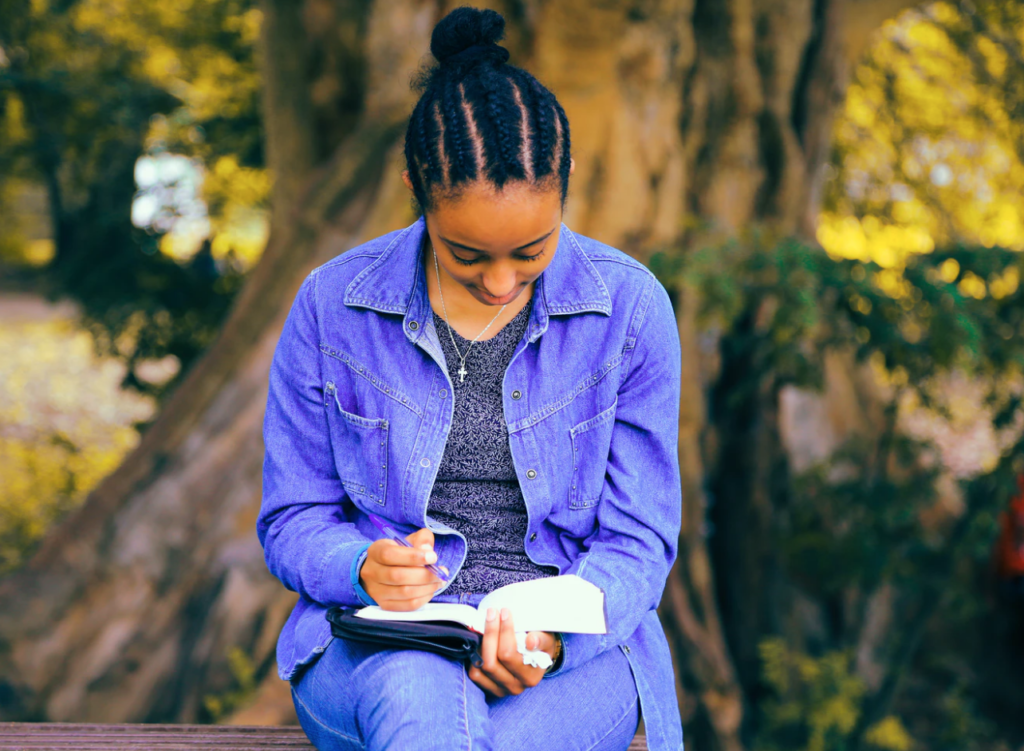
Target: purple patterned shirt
(476, 490)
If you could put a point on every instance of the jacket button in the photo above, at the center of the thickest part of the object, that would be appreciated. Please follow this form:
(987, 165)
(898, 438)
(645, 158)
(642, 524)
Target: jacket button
(444, 393)
(626, 648)
(531, 473)
(413, 325)
(424, 462)
(516, 394)
(533, 537)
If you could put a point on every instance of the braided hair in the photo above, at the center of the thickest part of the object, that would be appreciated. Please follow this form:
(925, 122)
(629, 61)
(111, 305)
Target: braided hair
(479, 118)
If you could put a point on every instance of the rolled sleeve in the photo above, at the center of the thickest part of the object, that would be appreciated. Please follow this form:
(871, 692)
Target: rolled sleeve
(305, 523)
(640, 509)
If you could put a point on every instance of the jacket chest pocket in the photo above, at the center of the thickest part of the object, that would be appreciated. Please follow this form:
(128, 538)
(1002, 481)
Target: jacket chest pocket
(360, 447)
(591, 442)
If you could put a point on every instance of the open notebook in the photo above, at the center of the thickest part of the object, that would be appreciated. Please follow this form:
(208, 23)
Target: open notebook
(566, 604)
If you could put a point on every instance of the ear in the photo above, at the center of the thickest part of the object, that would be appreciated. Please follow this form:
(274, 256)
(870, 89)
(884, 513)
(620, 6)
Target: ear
(407, 180)
(572, 165)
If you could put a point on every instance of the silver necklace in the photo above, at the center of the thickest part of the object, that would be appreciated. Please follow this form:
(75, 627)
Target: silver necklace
(462, 357)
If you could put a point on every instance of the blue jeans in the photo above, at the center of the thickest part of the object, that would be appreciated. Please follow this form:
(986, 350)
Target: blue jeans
(356, 696)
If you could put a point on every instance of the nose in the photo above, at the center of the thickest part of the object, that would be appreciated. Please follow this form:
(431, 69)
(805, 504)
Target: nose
(499, 283)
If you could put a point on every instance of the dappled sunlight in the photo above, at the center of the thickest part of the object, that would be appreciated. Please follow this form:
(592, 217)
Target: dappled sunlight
(926, 148)
(65, 424)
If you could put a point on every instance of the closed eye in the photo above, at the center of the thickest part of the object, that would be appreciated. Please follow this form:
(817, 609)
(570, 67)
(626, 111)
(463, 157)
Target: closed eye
(464, 262)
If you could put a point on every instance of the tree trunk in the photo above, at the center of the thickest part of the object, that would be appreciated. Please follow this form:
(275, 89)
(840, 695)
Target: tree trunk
(690, 119)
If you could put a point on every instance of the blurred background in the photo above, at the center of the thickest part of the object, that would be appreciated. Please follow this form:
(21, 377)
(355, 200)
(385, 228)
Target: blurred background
(831, 190)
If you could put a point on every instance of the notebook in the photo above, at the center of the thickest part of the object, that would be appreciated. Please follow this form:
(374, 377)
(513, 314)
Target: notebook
(566, 604)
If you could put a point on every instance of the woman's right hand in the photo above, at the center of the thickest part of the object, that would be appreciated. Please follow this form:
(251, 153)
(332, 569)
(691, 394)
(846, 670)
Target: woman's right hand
(397, 577)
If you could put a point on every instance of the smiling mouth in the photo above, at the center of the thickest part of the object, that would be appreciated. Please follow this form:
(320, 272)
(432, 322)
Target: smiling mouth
(507, 298)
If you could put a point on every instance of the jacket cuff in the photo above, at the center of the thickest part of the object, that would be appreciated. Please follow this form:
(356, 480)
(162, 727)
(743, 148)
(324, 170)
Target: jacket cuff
(357, 564)
(337, 571)
(576, 650)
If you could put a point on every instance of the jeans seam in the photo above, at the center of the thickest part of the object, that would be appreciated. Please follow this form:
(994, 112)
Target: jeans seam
(617, 723)
(315, 719)
(465, 711)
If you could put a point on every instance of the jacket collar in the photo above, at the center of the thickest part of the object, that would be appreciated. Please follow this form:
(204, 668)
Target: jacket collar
(396, 283)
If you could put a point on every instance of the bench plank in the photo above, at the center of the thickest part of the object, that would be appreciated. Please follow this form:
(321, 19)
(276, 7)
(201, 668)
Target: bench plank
(67, 736)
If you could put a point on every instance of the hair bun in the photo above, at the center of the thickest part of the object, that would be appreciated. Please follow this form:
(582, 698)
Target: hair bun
(469, 35)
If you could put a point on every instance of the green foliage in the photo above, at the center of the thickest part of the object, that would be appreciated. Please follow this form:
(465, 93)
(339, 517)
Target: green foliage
(86, 88)
(243, 673)
(794, 303)
(853, 524)
(857, 520)
(928, 149)
(961, 727)
(816, 702)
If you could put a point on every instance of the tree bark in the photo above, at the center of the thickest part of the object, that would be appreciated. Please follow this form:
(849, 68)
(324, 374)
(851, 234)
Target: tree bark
(690, 119)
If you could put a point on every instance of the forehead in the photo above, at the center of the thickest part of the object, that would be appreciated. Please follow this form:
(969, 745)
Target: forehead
(484, 217)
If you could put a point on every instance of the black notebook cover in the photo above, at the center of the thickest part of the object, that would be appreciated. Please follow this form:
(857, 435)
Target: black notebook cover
(453, 640)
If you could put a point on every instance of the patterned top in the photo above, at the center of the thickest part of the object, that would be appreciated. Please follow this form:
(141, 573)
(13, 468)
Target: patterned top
(476, 490)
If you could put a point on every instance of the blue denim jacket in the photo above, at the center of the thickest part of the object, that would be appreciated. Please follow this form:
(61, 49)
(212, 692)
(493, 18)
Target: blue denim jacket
(358, 413)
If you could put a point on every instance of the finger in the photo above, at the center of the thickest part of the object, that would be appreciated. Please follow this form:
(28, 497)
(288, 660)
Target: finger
(404, 605)
(420, 537)
(491, 666)
(406, 591)
(505, 670)
(390, 553)
(477, 676)
(542, 640)
(508, 653)
(545, 642)
(399, 575)
(489, 642)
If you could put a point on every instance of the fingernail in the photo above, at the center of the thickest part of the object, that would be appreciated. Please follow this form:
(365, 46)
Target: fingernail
(531, 642)
(431, 556)
(490, 614)
(424, 546)
(504, 614)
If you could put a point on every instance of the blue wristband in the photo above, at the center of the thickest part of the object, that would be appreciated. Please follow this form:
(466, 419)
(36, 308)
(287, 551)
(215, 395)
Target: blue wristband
(357, 564)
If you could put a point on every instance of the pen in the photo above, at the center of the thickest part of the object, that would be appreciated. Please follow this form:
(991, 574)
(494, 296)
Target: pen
(389, 532)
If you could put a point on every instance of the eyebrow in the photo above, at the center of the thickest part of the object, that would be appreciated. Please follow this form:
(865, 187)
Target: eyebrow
(477, 250)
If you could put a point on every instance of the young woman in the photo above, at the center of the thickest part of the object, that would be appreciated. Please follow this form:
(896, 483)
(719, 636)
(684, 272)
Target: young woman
(506, 393)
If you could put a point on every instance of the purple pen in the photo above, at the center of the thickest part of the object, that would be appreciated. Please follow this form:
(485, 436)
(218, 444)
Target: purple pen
(388, 531)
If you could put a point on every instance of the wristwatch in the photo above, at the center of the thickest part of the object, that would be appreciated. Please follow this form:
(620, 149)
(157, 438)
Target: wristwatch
(557, 660)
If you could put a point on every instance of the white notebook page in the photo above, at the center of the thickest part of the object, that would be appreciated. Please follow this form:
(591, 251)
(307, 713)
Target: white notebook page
(566, 604)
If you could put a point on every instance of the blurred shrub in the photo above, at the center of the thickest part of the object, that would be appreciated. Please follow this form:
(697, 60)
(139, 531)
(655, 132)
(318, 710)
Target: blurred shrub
(243, 673)
(64, 426)
(815, 701)
(856, 521)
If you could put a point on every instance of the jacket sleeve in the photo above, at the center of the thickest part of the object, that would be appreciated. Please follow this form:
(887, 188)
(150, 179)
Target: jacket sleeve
(305, 523)
(640, 510)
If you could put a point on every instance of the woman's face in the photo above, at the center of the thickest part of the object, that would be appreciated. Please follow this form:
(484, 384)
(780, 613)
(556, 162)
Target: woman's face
(495, 243)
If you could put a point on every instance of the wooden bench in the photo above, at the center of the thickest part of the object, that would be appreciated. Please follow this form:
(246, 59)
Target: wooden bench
(66, 736)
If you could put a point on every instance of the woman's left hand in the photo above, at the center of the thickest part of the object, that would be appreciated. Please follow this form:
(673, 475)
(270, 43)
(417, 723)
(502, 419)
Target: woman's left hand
(503, 671)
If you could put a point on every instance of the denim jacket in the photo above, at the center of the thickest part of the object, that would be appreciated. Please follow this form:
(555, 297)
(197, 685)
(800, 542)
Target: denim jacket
(358, 413)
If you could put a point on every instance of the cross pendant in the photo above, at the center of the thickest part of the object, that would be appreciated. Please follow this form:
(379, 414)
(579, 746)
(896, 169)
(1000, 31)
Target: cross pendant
(462, 373)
